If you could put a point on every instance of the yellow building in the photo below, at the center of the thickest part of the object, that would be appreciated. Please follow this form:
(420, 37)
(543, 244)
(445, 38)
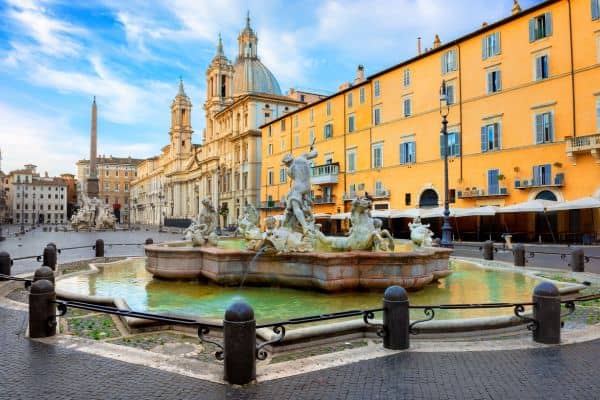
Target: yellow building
(524, 122)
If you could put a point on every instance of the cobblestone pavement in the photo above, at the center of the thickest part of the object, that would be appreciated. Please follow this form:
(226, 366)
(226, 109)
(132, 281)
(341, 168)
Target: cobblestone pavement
(32, 369)
(35, 370)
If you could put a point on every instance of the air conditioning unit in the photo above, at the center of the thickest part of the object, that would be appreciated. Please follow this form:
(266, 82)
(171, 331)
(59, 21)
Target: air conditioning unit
(503, 190)
(459, 194)
(526, 182)
(517, 183)
(480, 192)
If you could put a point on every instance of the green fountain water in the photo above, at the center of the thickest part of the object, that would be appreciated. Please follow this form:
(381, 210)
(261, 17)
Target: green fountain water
(129, 280)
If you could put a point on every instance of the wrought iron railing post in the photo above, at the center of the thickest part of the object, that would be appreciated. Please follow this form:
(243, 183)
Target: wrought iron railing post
(44, 272)
(519, 254)
(488, 250)
(239, 334)
(396, 320)
(577, 259)
(5, 263)
(546, 313)
(42, 310)
(99, 247)
(149, 241)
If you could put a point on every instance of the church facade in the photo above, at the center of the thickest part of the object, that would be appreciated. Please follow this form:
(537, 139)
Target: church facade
(240, 97)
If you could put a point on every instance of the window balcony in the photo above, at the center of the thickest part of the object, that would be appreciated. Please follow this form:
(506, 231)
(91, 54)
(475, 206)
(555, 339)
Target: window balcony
(326, 174)
(381, 194)
(271, 205)
(558, 181)
(324, 200)
(350, 196)
(474, 193)
(583, 144)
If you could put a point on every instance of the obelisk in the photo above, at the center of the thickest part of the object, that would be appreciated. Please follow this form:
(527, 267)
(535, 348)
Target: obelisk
(92, 181)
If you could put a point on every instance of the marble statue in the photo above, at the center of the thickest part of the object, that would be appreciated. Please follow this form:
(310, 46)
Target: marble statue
(420, 234)
(92, 215)
(202, 230)
(248, 228)
(365, 232)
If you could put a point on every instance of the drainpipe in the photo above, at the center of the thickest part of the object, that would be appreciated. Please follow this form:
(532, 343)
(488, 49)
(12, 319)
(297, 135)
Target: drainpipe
(572, 71)
(460, 112)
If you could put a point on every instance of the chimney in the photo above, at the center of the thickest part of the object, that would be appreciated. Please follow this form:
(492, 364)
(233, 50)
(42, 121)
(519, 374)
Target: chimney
(484, 24)
(344, 86)
(437, 42)
(516, 7)
(419, 45)
(360, 74)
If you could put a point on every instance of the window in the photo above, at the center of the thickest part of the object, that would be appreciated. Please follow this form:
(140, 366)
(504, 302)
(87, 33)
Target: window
(493, 81)
(296, 139)
(407, 199)
(361, 95)
(352, 189)
(377, 116)
(296, 121)
(127, 187)
(541, 67)
(595, 9)
(282, 175)
(349, 100)
(490, 137)
(270, 176)
(351, 160)
(126, 173)
(311, 135)
(490, 46)
(106, 172)
(106, 186)
(408, 153)
(116, 187)
(328, 131)
(311, 115)
(493, 184)
(282, 144)
(542, 175)
(117, 170)
(283, 125)
(377, 155)
(544, 128)
(407, 107)
(376, 89)
(328, 108)
(540, 27)
(270, 131)
(450, 98)
(406, 78)
(448, 61)
(351, 123)
(453, 144)
(270, 149)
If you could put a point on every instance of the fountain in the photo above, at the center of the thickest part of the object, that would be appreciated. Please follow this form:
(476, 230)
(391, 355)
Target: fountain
(92, 216)
(297, 253)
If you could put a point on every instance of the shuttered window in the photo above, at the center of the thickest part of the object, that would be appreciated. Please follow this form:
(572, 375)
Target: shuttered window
(449, 61)
(595, 9)
(542, 70)
(493, 184)
(490, 45)
(407, 106)
(327, 131)
(453, 144)
(490, 137)
(540, 27)
(544, 128)
(351, 160)
(408, 153)
(542, 175)
(494, 83)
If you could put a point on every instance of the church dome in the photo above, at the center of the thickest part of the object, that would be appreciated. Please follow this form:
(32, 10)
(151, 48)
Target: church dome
(251, 76)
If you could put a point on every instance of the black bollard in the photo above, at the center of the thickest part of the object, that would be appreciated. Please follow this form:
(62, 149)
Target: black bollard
(42, 310)
(149, 241)
(488, 250)
(577, 259)
(44, 272)
(49, 257)
(546, 312)
(239, 331)
(99, 248)
(396, 319)
(5, 263)
(519, 254)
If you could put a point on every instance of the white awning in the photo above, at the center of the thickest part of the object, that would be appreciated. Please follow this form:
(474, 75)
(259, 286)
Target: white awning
(341, 216)
(481, 211)
(322, 215)
(528, 206)
(586, 202)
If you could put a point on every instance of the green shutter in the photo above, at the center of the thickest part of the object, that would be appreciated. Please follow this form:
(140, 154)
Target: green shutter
(484, 142)
(498, 47)
(484, 53)
(548, 20)
(551, 126)
(539, 128)
(532, 29)
(595, 10)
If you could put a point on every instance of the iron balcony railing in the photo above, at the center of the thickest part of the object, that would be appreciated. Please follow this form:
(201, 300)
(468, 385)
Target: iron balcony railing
(271, 204)
(324, 200)
(325, 174)
(558, 181)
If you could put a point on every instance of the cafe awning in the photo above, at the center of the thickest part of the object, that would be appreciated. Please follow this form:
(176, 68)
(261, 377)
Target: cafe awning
(579, 204)
(527, 206)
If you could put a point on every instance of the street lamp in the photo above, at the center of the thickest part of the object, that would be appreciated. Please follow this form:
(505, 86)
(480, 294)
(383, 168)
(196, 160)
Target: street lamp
(33, 212)
(22, 208)
(444, 111)
(218, 200)
(161, 196)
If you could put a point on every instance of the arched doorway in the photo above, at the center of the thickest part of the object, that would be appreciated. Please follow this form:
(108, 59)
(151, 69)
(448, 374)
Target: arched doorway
(428, 199)
(546, 195)
(546, 224)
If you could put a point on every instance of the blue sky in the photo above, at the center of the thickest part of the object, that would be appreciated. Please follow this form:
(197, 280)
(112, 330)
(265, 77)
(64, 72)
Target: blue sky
(56, 54)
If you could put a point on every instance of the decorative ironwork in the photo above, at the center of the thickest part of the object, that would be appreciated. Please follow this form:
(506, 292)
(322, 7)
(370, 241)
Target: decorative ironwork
(262, 354)
(204, 330)
(429, 312)
(62, 309)
(26, 282)
(532, 324)
(368, 315)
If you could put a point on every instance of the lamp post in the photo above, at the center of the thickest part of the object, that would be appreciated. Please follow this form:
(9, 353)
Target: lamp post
(22, 208)
(161, 196)
(33, 212)
(444, 111)
(218, 200)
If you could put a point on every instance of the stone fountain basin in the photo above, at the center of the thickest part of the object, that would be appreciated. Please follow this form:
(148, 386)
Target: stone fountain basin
(326, 271)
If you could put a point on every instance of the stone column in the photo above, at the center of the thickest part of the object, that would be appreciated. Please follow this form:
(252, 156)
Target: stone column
(92, 181)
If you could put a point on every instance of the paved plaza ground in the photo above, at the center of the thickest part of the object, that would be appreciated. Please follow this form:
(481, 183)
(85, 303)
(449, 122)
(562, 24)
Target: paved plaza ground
(32, 369)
